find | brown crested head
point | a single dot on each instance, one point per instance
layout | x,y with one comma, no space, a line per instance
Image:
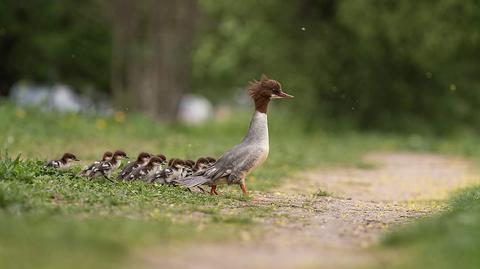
69,157
143,157
107,156
119,154
264,90
155,161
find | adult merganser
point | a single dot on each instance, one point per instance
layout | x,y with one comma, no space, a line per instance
237,163
105,169
107,156
141,160
62,163
147,171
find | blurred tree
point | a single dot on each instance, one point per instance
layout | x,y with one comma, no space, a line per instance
54,41
386,65
151,54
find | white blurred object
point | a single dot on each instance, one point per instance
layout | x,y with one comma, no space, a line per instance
58,97
194,109
64,99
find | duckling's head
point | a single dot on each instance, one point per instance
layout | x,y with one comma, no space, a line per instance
211,161
202,163
120,155
189,163
155,161
107,156
143,157
69,157
164,159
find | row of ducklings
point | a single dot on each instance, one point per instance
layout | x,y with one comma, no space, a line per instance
147,167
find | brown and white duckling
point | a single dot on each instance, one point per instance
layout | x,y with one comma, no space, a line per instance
147,171
203,163
62,163
164,159
142,160
107,156
211,160
106,168
188,168
172,172
238,162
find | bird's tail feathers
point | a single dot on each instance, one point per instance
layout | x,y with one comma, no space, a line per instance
192,181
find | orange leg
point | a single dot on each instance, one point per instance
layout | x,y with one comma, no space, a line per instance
243,186
213,190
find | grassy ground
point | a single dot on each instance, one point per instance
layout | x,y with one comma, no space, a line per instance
56,220
59,221
449,240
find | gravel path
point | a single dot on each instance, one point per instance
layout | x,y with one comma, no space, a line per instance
311,230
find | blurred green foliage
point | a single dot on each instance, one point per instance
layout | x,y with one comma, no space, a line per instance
374,64
389,65
51,41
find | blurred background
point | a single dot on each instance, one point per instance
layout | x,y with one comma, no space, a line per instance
382,65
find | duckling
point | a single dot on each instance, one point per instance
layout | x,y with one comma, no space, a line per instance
200,165
106,168
142,160
146,172
188,168
107,156
167,175
238,162
62,163
211,160
164,159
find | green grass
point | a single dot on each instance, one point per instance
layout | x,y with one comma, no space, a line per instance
56,220
51,219
449,240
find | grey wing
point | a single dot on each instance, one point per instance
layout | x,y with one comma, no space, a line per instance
232,161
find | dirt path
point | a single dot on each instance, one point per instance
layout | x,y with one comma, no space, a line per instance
311,230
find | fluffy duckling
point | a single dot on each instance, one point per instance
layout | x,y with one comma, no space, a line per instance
107,156
142,160
201,164
147,171
188,168
62,163
164,159
105,169
173,171
211,160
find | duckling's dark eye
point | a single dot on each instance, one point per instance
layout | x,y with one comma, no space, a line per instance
276,91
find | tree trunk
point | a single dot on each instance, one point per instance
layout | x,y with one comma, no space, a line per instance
151,54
